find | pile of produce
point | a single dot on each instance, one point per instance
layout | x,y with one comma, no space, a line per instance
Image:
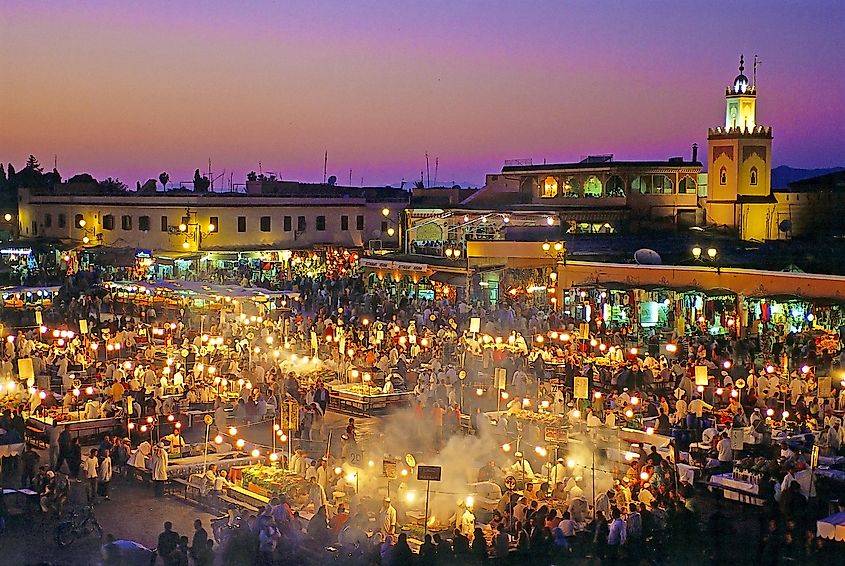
271,481
359,389
542,418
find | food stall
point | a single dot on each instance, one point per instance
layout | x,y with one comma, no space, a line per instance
267,481
364,399
40,427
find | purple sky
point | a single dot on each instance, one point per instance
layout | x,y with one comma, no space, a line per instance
133,89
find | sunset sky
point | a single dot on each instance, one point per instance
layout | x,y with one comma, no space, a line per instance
130,89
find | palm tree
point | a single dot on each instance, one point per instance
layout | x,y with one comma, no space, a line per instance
164,178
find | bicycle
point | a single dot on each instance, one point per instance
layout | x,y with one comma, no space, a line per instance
80,524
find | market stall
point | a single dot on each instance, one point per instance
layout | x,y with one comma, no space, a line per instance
268,481
41,427
365,399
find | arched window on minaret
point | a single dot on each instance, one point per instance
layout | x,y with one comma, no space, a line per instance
723,176
753,175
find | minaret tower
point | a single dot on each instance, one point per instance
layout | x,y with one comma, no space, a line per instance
739,154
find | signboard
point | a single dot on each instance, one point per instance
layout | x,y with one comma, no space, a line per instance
83,326
500,378
39,318
144,254
814,457
584,330
701,377
475,325
25,370
581,387
392,265
825,386
428,473
388,469
740,383
737,439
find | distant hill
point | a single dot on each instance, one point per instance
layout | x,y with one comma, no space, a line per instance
783,175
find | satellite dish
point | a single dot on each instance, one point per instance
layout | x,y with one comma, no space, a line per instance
646,256
785,225
332,181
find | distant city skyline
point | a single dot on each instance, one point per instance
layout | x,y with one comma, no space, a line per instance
130,91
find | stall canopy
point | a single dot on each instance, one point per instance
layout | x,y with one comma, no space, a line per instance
202,290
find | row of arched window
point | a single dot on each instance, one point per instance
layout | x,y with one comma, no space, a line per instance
614,186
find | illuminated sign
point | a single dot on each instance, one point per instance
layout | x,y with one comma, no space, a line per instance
16,251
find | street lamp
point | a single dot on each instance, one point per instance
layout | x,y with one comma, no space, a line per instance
699,254
453,253
385,212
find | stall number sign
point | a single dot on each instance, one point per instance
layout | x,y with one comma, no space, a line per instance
428,473
500,378
475,325
701,377
581,387
388,468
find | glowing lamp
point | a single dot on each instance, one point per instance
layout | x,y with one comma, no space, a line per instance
144,428
274,457
240,443
171,418
233,431
131,426
644,476
338,470
42,395
255,453
218,439
570,463
671,348
89,390
700,389
404,472
629,413
734,393
804,369
727,364
479,391
719,391
770,412
634,351
785,415
506,447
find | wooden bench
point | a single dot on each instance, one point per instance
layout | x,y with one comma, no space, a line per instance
178,483
241,504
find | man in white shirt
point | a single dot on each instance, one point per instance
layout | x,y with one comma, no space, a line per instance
725,451
91,475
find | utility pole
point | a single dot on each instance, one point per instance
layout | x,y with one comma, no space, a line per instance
325,166
427,171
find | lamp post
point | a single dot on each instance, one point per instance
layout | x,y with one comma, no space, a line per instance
706,255
556,251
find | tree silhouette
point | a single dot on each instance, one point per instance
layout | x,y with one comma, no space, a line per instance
32,163
164,178
3,179
251,176
113,185
201,183
419,185
84,178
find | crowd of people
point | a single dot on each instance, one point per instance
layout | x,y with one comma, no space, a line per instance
134,362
